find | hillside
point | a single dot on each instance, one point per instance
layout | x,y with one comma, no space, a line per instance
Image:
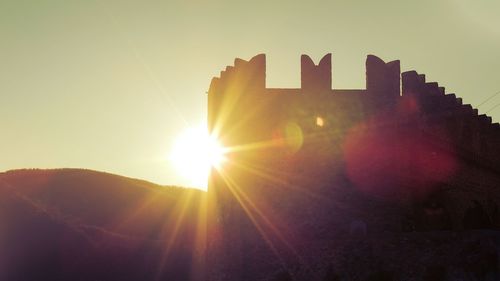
83,225
72,224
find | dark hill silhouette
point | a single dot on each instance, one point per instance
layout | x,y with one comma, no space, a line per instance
72,224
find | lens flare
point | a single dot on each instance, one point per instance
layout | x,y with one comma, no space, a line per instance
194,153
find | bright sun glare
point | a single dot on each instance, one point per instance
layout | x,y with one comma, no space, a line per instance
194,153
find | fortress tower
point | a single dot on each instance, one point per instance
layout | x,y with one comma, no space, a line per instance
307,164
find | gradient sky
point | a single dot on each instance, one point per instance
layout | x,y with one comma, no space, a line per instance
108,84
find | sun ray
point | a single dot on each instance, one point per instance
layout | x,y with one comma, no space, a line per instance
172,235
267,173
231,184
200,246
254,213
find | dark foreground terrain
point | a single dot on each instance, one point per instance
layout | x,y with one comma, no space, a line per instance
84,225
73,224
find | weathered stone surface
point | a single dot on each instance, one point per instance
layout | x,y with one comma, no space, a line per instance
412,169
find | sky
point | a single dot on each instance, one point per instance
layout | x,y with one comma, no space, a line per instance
109,84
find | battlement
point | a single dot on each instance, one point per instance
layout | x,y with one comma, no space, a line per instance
382,78
316,78
306,162
303,161
240,93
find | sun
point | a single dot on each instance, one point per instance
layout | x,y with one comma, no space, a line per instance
194,153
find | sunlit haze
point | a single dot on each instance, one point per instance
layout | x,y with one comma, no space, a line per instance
111,85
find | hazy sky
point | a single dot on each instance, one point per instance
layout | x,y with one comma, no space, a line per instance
108,84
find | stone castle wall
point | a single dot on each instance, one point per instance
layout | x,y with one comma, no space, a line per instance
240,91
306,164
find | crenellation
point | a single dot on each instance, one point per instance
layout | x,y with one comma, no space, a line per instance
239,62
382,85
302,143
243,75
257,66
468,108
411,83
421,78
449,102
382,79
432,88
246,80
214,83
225,75
484,119
316,78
